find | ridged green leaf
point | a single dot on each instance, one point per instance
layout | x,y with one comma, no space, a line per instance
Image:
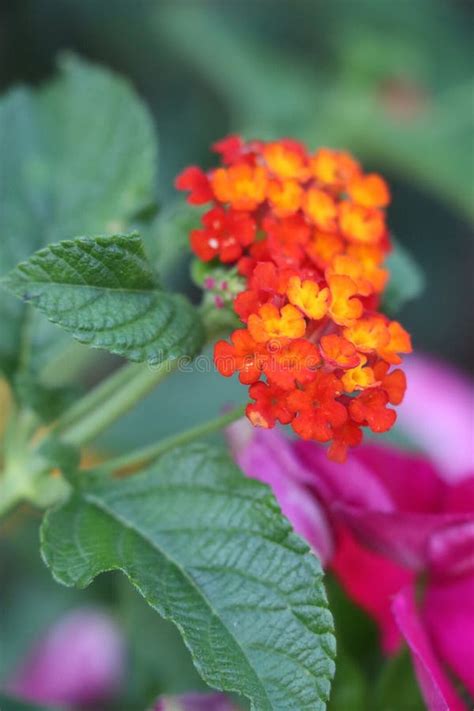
210,550
77,156
103,291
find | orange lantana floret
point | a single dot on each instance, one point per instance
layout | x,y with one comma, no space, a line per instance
361,224
287,159
322,247
244,356
344,309
369,191
394,383
399,342
273,323
285,197
291,364
339,352
334,168
346,265
304,239
370,258
321,209
308,297
368,334
242,186
359,378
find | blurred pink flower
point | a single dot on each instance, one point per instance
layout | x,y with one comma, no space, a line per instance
194,702
438,414
393,516
416,523
80,661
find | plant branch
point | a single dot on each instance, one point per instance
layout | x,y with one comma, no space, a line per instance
110,400
145,455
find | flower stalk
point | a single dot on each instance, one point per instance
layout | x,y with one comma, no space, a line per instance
109,401
145,455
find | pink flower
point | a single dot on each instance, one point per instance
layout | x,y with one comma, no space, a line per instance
194,702
80,661
438,414
398,521
416,523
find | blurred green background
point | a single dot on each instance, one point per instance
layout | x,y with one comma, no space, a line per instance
390,81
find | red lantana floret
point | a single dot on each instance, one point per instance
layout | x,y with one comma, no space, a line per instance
307,233
225,235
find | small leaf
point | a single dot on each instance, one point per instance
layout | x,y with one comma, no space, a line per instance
407,280
209,550
77,156
103,291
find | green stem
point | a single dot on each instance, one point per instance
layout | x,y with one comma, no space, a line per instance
145,455
10,496
110,400
95,397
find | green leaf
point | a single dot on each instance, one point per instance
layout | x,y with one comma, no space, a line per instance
103,291
210,550
407,280
78,156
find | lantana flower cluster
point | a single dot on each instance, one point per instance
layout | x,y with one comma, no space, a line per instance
307,233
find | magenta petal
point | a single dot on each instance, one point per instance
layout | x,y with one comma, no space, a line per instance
194,702
403,537
438,413
411,480
448,612
459,497
80,661
451,550
352,483
435,686
371,581
268,456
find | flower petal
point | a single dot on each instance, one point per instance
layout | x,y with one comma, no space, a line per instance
352,482
448,612
451,550
402,537
436,688
411,480
438,412
371,581
81,660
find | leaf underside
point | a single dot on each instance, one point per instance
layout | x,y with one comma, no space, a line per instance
210,550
